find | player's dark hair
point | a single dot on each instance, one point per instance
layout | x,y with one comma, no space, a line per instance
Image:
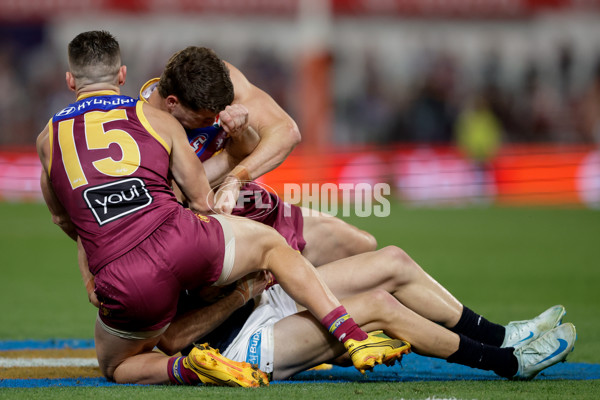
94,55
198,78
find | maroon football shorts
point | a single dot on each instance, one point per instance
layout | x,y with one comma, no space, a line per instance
139,291
268,208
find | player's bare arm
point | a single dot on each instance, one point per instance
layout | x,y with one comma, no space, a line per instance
278,132
231,175
86,275
218,166
193,325
57,211
243,140
60,216
240,147
186,168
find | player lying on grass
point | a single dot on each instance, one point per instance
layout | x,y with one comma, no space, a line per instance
196,87
393,294
108,160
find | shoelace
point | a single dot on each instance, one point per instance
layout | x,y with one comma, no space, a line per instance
516,331
519,328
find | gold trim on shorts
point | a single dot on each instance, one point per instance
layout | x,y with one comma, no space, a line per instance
140,335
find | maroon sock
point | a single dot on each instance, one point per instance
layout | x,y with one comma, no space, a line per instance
339,323
179,374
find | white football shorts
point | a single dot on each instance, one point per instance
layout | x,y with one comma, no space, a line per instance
254,343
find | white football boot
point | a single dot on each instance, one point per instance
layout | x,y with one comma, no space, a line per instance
550,348
520,333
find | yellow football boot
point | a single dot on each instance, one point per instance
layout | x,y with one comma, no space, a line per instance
375,350
214,369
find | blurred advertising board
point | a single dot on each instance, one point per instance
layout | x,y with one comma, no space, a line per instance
46,9
547,175
542,175
457,8
20,175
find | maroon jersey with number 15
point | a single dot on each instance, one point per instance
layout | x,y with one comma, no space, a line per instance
109,170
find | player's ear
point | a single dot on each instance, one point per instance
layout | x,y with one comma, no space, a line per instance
172,102
122,74
70,79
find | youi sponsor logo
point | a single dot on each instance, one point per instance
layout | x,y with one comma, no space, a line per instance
114,200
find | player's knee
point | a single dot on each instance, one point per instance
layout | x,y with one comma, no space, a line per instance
108,372
380,296
395,253
355,241
381,302
365,242
398,263
274,249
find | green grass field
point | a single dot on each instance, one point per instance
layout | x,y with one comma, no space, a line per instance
505,263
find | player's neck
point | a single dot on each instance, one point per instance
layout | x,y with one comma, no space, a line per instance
157,101
97,87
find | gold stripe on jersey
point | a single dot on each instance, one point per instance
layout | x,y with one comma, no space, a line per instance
97,93
51,141
145,87
139,109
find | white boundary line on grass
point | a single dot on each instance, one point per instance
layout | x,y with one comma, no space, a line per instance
47,362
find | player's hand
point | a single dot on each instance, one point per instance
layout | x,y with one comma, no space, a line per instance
94,299
227,195
89,287
234,120
270,279
252,285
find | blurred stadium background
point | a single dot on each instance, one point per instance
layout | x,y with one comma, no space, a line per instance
461,103
449,101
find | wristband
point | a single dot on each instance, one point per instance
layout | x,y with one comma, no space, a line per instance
245,290
241,173
240,292
89,285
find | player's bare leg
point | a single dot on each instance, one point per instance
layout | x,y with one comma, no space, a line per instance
260,247
329,238
378,309
397,273
373,310
129,361
134,361
392,270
